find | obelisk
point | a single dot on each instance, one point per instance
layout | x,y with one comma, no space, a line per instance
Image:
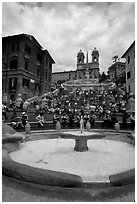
87,69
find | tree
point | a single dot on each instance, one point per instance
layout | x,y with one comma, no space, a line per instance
102,77
121,79
115,58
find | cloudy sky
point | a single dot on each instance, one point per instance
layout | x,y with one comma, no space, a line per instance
63,28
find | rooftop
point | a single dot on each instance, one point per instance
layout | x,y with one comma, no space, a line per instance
123,56
30,37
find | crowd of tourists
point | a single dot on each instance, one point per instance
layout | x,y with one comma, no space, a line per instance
69,107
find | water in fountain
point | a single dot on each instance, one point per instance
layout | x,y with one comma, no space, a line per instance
58,154
96,164
81,125
56,144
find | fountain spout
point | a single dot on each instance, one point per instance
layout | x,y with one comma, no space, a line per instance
81,125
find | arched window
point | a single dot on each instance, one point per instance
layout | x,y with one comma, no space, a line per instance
80,61
95,59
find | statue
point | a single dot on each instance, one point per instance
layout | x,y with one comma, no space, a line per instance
131,104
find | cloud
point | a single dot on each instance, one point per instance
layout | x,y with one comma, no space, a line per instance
66,27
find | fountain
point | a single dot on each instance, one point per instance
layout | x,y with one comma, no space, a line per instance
54,160
81,137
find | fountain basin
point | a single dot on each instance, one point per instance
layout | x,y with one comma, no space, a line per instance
58,155
82,138
70,177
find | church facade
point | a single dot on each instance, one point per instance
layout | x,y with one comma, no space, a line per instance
85,70
88,70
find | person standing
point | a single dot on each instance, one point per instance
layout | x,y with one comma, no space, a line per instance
113,119
92,119
124,118
132,119
86,118
100,112
4,109
24,119
40,119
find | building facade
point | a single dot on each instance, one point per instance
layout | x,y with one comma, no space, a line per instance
26,67
130,68
61,77
85,70
88,70
116,69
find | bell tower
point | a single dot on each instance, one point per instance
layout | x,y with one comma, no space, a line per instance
95,65
80,57
95,55
80,64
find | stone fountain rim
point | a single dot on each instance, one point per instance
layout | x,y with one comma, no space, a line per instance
71,135
9,170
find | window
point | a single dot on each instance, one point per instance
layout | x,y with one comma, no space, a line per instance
38,72
12,46
128,59
14,63
129,89
80,60
37,87
3,48
47,61
25,82
13,83
50,65
128,74
49,76
46,74
95,59
18,45
26,65
3,82
15,46
27,49
39,58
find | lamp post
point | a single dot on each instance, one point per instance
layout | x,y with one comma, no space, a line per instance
5,88
5,97
18,101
